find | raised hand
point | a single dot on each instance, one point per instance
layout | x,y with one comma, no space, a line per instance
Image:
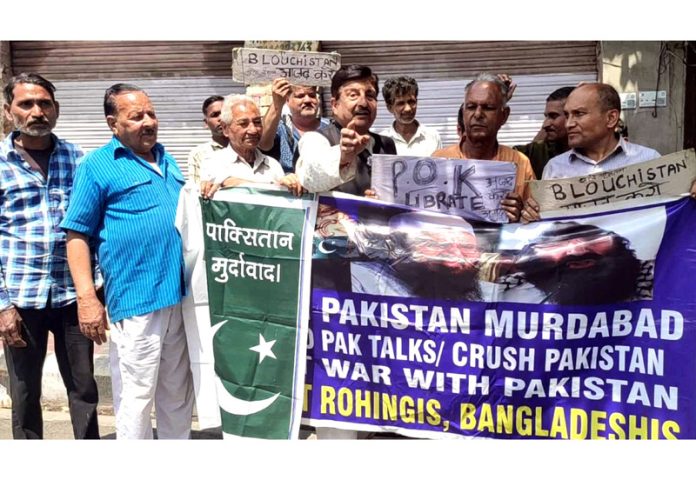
352,143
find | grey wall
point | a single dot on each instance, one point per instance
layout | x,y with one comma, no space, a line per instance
5,69
633,67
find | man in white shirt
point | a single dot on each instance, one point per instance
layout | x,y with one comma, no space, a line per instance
241,161
410,137
212,107
592,113
339,157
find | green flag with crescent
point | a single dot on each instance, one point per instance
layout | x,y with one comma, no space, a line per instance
254,244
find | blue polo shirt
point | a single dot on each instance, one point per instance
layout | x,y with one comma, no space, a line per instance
127,209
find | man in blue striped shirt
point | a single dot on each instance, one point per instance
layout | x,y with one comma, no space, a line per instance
37,294
125,200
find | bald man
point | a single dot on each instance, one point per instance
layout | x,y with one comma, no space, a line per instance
592,113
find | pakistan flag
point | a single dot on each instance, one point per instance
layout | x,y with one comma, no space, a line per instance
255,245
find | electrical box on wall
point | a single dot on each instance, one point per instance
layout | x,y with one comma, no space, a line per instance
628,100
650,98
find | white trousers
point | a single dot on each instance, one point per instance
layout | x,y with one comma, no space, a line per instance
150,364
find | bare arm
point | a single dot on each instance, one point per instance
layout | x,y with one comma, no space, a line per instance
90,311
281,90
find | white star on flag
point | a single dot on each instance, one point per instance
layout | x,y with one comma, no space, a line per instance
264,348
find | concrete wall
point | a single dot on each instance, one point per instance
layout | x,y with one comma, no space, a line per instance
5,74
633,67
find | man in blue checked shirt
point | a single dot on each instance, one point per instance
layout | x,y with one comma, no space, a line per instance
37,294
124,201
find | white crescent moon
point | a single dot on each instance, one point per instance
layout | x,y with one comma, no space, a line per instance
232,404
321,248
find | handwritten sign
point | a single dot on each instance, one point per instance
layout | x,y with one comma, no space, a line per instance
670,175
449,186
256,65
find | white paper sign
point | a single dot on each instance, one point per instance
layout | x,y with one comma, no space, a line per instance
458,187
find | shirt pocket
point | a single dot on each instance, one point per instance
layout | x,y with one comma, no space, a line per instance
132,193
21,198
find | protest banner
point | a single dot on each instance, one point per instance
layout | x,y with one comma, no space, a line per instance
257,65
458,187
257,250
436,327
667,176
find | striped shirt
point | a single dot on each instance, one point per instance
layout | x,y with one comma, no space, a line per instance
574,164
33,258
128,208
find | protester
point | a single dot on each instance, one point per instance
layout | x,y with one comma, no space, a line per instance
552,140
411,138
282,132
37,294
339,156
592,116
241,161
593,111
124,204
212,107
484,112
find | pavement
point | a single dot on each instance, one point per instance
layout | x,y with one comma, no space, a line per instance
55,401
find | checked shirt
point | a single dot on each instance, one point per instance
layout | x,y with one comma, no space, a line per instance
33,258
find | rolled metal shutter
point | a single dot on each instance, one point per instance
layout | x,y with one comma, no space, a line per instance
178,76
443,69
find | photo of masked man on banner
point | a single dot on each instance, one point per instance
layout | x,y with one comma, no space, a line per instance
397,251
574,262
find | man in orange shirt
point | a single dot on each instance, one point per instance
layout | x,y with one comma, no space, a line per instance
484,112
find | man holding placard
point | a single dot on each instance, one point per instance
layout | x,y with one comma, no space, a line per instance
282,132
592,114
485,111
